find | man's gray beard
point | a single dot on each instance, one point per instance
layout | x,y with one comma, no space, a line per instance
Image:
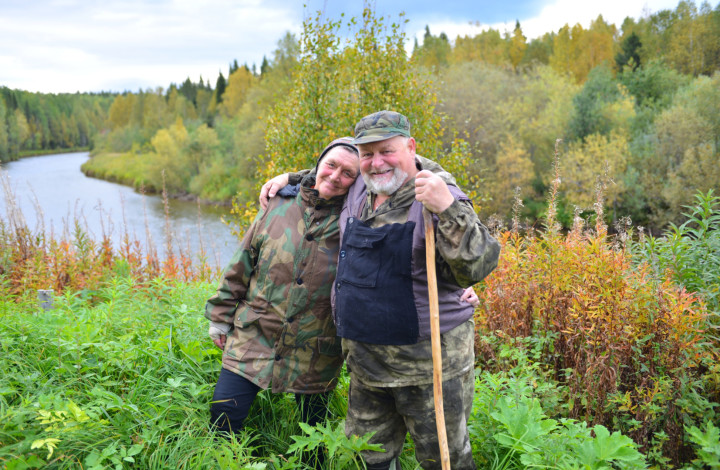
388,188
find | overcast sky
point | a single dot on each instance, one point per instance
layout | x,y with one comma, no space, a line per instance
57,46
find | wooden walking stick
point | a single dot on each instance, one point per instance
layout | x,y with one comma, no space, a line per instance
435,339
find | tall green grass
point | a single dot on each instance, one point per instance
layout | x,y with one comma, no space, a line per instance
122,377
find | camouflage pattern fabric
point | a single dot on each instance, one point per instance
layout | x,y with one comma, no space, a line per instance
381,126
393,412
411,364
276,294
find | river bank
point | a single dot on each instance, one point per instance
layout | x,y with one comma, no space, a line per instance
39,153
53,194
136,171
96,168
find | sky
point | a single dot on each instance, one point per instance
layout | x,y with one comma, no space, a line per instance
66,46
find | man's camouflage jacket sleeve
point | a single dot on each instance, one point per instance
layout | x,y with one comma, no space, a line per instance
465,245
233,287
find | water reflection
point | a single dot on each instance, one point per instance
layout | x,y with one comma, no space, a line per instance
51,191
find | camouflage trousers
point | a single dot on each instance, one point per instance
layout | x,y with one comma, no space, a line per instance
392,412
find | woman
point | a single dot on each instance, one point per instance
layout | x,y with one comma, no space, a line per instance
271,314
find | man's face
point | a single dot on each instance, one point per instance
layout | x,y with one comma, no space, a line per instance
386,165
336,172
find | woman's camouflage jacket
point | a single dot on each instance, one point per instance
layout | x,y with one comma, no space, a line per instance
276,294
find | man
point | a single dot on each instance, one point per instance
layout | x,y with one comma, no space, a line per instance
272,313
381,297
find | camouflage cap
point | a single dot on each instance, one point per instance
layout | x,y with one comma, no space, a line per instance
379,126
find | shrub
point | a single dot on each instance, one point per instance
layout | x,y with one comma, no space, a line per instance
690,253
626,343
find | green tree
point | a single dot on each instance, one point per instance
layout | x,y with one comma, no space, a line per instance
203,100
434,52
537,114
654,84
539,50
472,96
23,134
601,106
201,148
220,86
630,53
685,150
4,148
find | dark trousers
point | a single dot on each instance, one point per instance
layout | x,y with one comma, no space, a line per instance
235,394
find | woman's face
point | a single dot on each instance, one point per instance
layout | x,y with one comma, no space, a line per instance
336,172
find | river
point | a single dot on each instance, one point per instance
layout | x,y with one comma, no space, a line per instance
52,192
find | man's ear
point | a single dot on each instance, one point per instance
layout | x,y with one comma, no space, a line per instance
411,145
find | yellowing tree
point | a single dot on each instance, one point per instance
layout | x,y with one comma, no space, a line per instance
169,157
596,46
578,50
686,141
154,110
539,113
698,171
23,128
518,46
693,45
488,47
120,111
179,106
563,51
434,52
236,91
603,157
512,169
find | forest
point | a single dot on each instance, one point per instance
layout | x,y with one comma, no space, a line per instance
590,153
637,104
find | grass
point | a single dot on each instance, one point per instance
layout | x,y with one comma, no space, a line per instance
122,377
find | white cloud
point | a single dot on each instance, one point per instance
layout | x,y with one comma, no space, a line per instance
555,15
69,46
78,45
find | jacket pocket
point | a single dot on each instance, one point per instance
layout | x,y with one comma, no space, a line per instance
360,258
247,315
329,345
